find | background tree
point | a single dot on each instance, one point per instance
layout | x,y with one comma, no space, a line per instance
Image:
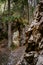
20,10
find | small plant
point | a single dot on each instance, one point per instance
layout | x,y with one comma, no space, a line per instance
13,46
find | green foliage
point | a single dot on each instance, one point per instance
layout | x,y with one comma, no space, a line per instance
25,2
37,1
2,1
13,46
16,11
7,18
15,0
11,17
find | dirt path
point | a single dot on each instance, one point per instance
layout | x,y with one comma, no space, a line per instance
16,56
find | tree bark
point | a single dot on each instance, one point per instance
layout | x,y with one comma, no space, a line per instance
28,12
9,34
9,27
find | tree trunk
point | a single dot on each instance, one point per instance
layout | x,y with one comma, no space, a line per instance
9,26
9,34
28,12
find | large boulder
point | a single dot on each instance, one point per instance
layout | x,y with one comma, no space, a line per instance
16,38
33,53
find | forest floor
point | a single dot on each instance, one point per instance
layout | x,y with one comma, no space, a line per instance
12,57
16,56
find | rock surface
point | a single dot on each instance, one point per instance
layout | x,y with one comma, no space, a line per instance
16,38
34,50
